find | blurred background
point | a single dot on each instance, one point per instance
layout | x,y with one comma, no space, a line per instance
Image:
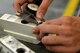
55,10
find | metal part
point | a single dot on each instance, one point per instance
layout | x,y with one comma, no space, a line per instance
13,26
28,17
9,44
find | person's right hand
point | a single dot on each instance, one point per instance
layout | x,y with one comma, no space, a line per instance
67,30
41,10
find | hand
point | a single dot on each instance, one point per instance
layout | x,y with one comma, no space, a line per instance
68,34
41,10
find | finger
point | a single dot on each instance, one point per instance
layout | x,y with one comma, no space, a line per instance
17,5
36,30
61,49
43,8
38,34
51,40
38,38
67,20
53,21
17,8
41,35
54,29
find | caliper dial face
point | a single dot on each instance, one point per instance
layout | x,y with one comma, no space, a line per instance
33,7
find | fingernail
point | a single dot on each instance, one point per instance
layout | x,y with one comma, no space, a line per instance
40,15
33,30
17,13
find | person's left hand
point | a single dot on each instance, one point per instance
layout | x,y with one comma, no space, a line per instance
41,10
68,34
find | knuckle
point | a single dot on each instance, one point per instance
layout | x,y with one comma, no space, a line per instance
70,42
67,19
42,28
69,30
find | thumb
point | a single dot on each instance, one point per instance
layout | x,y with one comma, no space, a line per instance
43,8
18,3
17,7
